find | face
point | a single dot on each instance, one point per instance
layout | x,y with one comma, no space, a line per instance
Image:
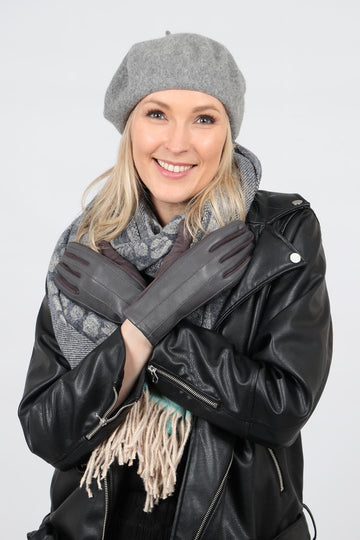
177,141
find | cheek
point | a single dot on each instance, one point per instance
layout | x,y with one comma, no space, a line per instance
210,151
144,143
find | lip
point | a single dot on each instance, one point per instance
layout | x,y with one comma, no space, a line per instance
176,163
171,174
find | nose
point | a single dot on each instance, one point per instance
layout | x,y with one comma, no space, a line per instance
178,138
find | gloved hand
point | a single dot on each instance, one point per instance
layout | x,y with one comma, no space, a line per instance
107,283
202,272
104,284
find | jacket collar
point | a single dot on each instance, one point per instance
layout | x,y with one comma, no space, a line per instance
273,255
269,206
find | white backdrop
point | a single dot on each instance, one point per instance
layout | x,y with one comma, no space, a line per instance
301,62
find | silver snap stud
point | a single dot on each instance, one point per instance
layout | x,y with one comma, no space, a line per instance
297,202
295,258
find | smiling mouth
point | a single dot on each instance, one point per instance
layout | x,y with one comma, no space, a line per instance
173,168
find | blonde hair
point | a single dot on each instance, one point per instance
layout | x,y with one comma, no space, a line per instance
117,200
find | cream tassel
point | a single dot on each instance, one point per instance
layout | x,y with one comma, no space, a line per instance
145,435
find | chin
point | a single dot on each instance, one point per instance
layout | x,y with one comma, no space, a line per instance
164,197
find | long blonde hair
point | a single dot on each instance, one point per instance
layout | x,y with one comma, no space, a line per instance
116,202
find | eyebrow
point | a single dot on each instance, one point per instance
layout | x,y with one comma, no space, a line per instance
200,108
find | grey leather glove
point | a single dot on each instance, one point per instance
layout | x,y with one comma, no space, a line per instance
104,284
202,272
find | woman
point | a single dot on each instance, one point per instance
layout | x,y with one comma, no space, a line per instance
179,350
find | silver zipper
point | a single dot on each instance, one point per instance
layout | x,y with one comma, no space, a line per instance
154,371
214,501
278,470
106,496
103,421
154,377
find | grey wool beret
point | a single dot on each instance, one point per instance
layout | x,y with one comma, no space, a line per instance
176,61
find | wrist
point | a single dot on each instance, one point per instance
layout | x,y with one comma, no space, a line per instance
134,338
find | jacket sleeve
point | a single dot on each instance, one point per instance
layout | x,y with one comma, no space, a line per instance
65,412
268,392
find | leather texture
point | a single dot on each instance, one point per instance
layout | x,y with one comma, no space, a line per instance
98,282
212,265
251,383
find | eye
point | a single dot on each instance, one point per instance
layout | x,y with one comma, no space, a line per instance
205,119
154,113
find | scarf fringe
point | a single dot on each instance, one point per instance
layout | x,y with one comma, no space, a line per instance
155,434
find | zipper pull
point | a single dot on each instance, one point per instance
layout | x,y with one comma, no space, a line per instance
154,376
102,421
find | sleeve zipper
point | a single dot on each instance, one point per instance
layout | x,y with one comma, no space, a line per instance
105,420
154,371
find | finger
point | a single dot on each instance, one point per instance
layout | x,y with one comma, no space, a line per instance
236,234
241,266
67,272
109,252
240,261
65,286
79,253
238,248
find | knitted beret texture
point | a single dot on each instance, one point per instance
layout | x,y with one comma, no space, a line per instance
176,61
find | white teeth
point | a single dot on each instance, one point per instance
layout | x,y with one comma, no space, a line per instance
173,168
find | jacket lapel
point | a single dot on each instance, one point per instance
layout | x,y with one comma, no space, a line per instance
273,256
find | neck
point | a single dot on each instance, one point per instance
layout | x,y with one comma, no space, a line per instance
166,211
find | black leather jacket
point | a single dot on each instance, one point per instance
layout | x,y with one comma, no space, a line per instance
251,383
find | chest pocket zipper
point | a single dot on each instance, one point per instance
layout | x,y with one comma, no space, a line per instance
277,469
